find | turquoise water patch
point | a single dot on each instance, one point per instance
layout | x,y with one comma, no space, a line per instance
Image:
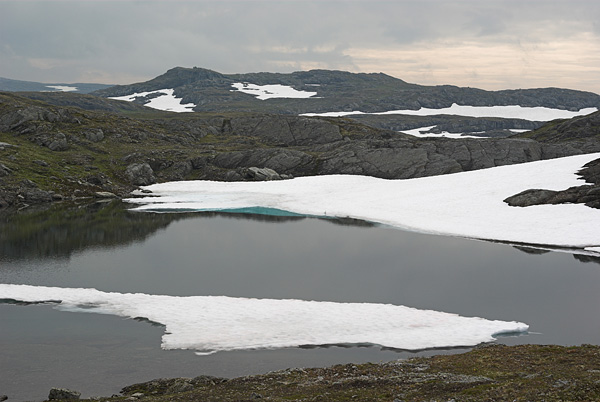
261,211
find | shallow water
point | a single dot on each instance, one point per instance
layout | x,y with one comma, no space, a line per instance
108,248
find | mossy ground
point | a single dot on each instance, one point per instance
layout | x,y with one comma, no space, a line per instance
489,373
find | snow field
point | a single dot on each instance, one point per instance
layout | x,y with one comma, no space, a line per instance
467,204
167,101
422,132
507,112
263,92
62,88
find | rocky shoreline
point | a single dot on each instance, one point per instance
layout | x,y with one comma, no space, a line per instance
490,372
50,153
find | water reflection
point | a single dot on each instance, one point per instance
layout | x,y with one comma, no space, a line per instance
107,247
61,229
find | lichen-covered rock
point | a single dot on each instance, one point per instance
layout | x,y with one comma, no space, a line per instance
261,174
63,394
140,174
4,170
94,135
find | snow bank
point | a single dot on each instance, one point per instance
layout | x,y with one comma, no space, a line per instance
62,88
215,323
467,204
507,112
263,92
166,101
422,132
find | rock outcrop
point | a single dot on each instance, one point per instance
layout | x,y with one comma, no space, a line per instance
63,394
140,174
585,194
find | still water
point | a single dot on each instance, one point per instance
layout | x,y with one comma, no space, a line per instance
103,246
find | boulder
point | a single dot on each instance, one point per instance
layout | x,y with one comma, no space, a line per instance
58,143
140,174
104,194
63,394
4,170
94,135
261,174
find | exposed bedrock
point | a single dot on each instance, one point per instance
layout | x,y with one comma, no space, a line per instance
588,194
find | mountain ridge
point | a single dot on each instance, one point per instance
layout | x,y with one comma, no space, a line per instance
339,91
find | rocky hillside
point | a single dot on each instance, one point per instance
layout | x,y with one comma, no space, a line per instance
9,85
339,91
55,152
578,128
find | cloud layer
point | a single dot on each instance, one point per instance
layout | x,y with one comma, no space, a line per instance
494,44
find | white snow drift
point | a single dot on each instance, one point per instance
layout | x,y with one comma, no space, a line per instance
422,132
467,204
166,101
507,112
62,88
215,323
263,92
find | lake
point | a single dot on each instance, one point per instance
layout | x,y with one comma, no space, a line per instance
106,247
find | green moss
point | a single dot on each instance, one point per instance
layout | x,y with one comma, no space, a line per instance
500,373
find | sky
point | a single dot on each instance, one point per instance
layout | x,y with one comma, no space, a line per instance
491,44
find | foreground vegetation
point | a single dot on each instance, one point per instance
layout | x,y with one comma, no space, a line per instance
488,373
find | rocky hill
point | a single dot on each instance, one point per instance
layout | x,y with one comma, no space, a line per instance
52,152
338,91
578,128
9,85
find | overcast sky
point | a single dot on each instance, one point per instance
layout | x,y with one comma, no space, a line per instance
490,44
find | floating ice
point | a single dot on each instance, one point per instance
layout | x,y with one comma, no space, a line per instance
263,92
467,204
166,101
216,323
62,88
506,112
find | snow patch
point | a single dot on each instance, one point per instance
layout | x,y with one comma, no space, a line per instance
166,101
263,92
467,204
422,132
62,88
506,112
218,323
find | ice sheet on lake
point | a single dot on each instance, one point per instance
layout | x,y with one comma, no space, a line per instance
506,112
165,101
263,92
216,323
467,204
